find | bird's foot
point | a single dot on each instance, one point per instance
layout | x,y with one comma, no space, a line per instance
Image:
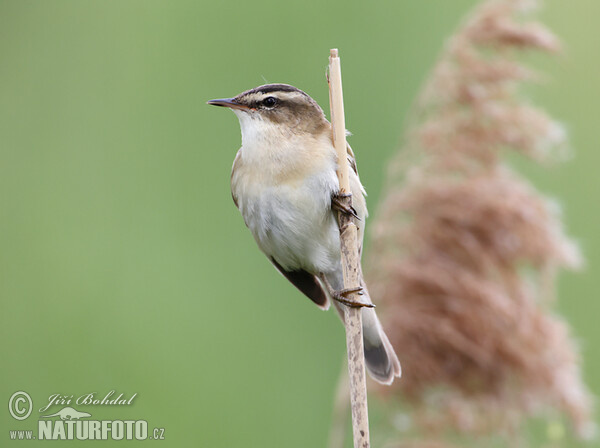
338,203
342,297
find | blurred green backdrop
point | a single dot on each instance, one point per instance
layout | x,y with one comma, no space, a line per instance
123,262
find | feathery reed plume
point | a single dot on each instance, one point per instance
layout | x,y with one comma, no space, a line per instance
464,251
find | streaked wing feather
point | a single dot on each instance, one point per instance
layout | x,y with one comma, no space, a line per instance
237,156
351,159
307,283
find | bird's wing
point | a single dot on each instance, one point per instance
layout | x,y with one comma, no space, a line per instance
358,197
307,283
351,159
235,161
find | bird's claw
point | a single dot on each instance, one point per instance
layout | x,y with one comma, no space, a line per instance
342,297
338,204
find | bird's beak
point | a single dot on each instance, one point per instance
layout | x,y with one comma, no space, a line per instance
228,102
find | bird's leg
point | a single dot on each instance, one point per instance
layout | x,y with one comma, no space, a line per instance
343,203
342,295
339,202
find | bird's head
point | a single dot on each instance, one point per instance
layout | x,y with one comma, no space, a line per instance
276,109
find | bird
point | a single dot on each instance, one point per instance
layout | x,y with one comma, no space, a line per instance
284,183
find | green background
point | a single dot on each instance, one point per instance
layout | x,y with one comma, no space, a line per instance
123,262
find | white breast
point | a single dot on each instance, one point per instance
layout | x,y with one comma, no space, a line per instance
295,225
284,195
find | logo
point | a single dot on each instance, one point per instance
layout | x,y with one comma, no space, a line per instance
69,423
15,405
68,414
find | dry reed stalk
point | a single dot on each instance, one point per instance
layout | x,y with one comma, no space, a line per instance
465,251
350,264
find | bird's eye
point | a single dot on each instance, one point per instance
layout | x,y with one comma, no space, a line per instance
270,101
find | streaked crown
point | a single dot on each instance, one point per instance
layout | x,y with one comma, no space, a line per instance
280,104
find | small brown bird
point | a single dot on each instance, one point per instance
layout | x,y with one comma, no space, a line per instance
285,185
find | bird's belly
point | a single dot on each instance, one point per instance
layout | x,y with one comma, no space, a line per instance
295,226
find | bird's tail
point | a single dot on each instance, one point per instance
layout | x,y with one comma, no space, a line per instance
380,357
